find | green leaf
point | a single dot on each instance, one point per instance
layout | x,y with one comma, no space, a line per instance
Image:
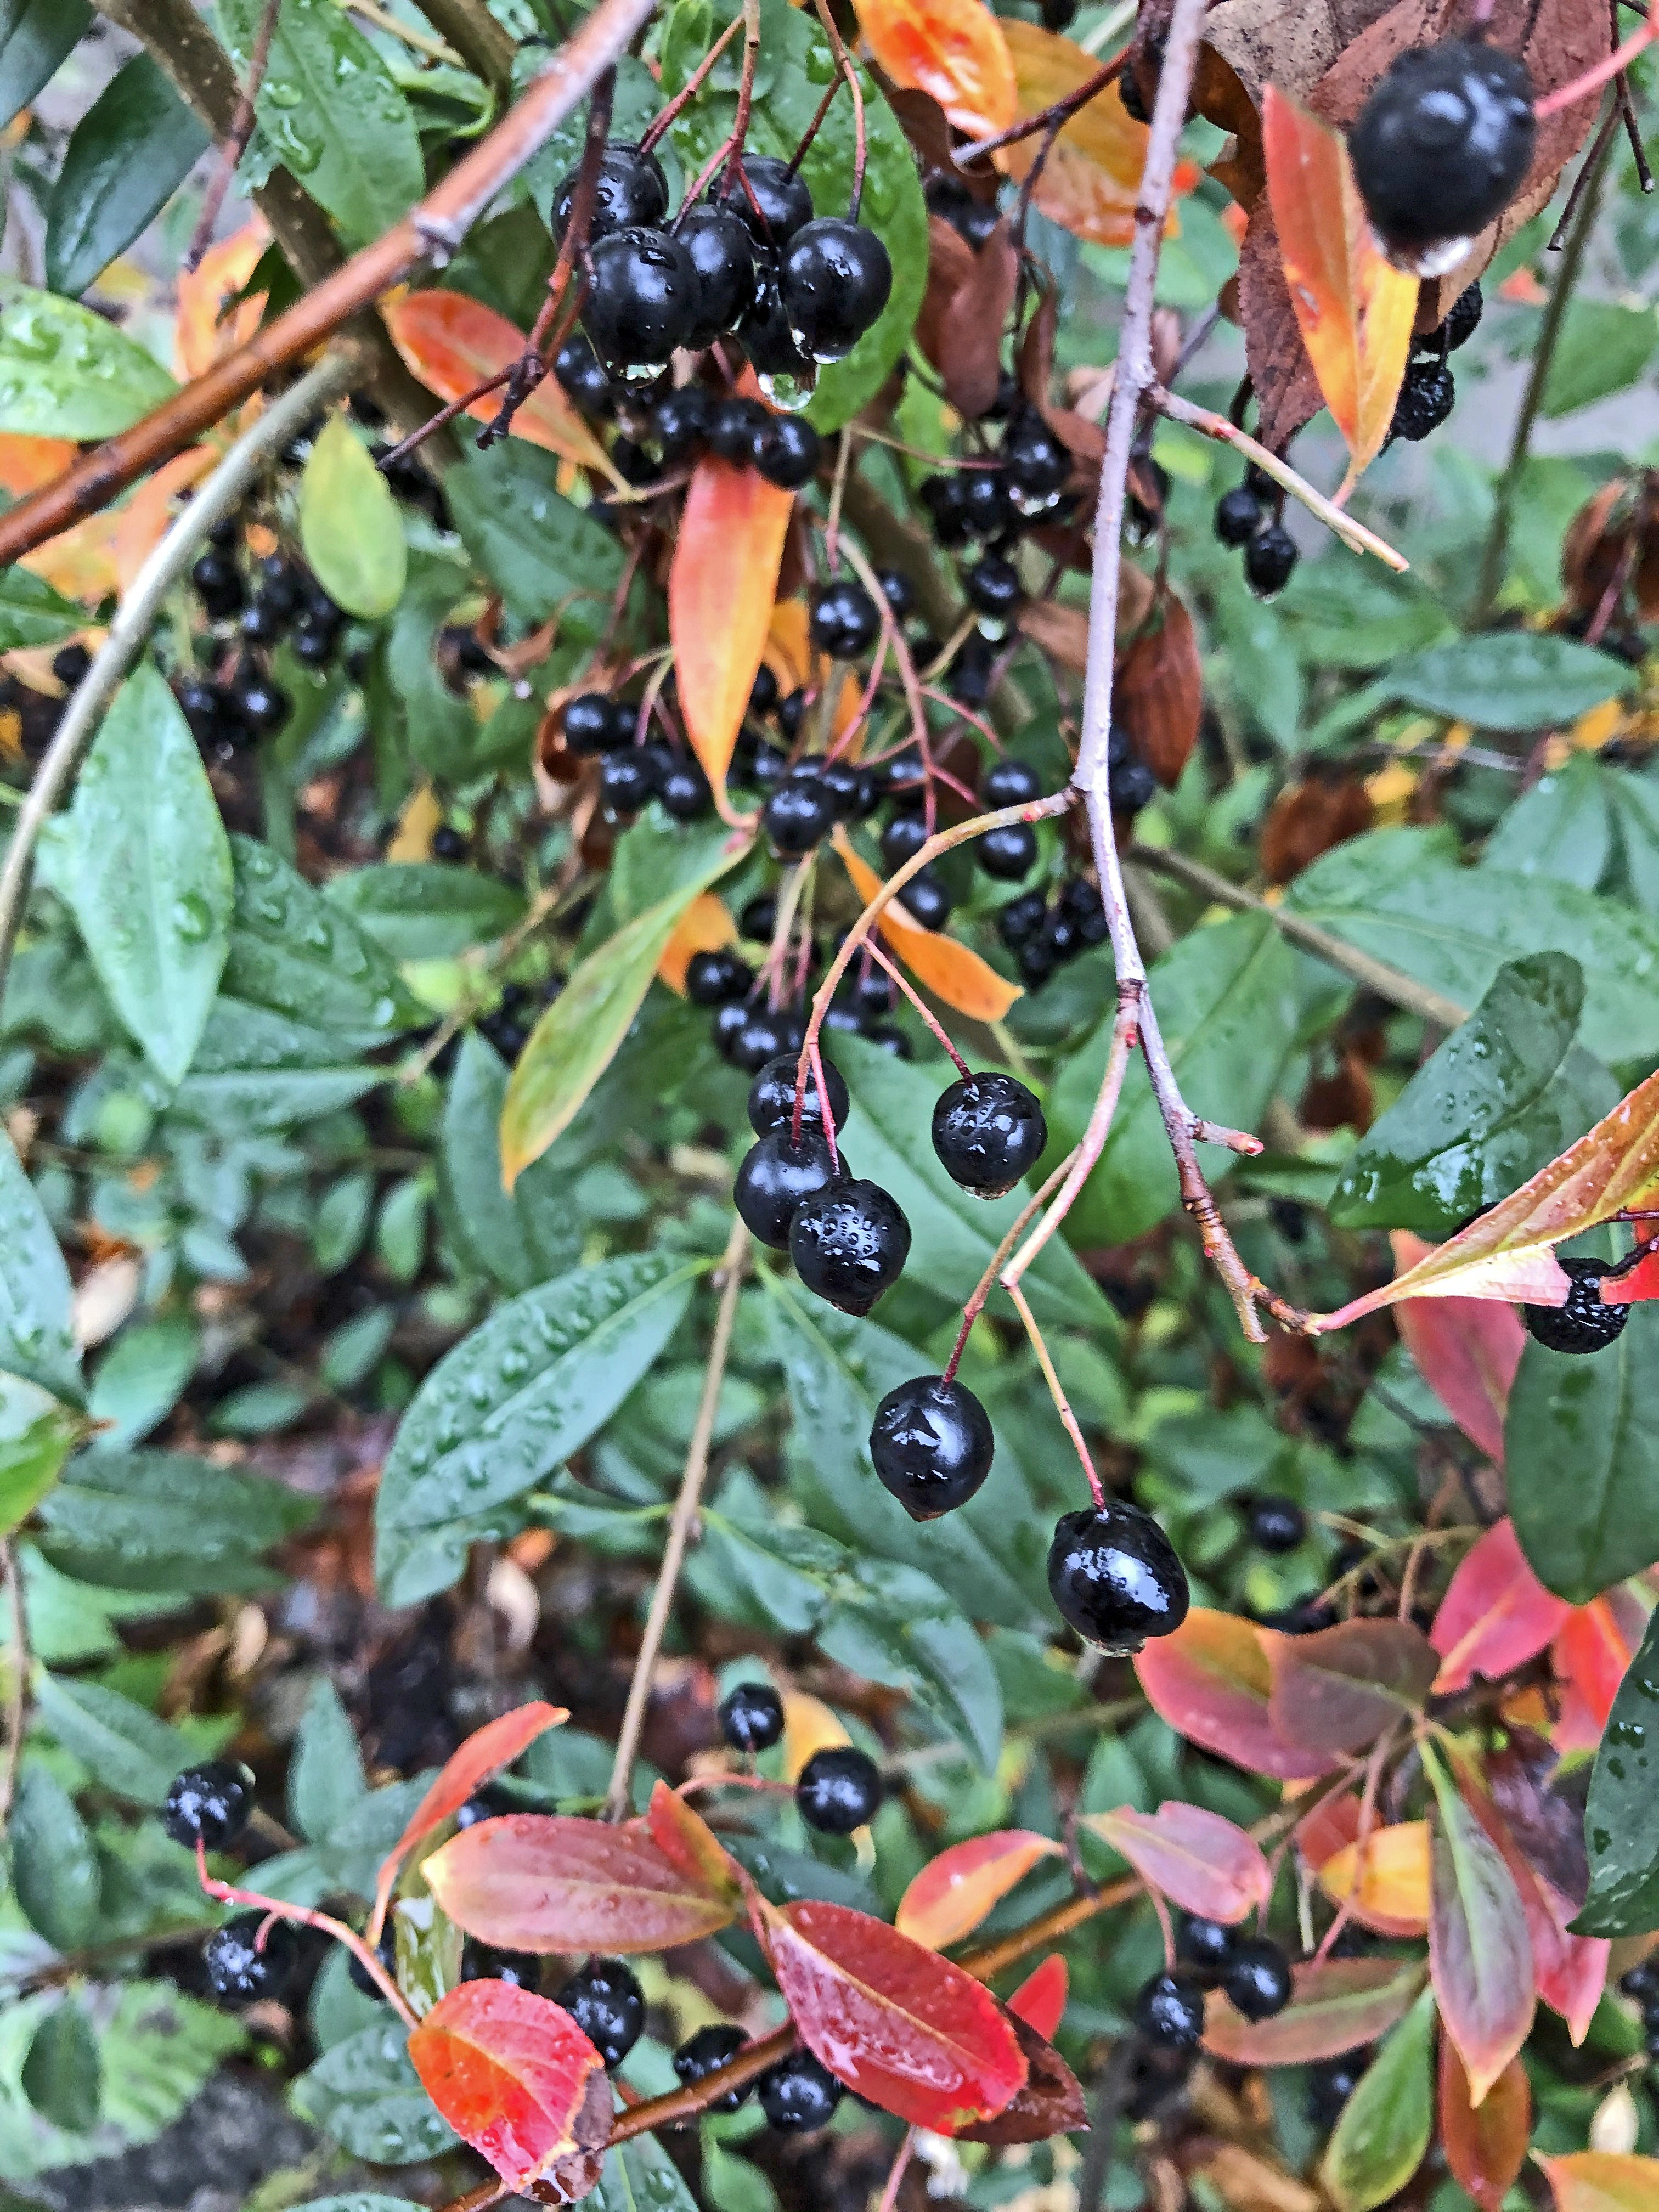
527,1388
257,1070
349,526
1509,679
540,551
576,1039
518,1239
146,870
325,1779
1226,1003
427,910
1401,896
638,2176
1502,1095
329,108
141,1377
1602,348
367,2095
1582,1460
295,953
36,1340
1379,2142
35,36
54,1861
66,373
1619,1829
1561,827
126,157
62,2077
131,1753
164,1520
37,1435
33,613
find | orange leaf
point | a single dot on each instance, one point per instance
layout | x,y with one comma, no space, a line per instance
485,1752
951,970
509,2072
548,1881
1496,1614
722,587
453,343
953,1893
1353,308
703,927
957,51
1091,179
1201,1861
1590,1655
143,523
1386,1877
1486,2145
1040,1999
1212,1681
204,330
1508,1252
1603,2181
26,463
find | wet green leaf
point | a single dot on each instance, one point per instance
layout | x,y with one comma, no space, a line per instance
427,910
367,2095
325,1778
1602,348
540,551
1379,2142
55,1869
36,1340
132,1753
519,1239
126,157
641,2177
1619,1829
1561,827
62,2077
298,953
66,373
33,613
1509,679
35,36
37,1435
349,526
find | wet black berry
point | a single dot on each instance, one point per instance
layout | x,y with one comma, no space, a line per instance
1114,1575
798,815
736,428
845,622
942,497
839,1790
798,2093
584,377
772,200
1008,854
931,1445
856,791
712,978
386,1951
774,1177
210,1804
1440,148
590,725
1020,920
759,919
219,587
1010,783
762,1037
69,663
643,300
239,1969
928,899
1257,1977
792,711
606,2002
705,2053
993,589
786,452
850,1243
987,507
767,337
723,254
1268,560
629,189
1585,1322
898,591
1277,1524
835,278
1131,785
483,1962
1463,318
902,838
263,705
1036,465
1426,398
1169,2011
1239,514
627,780
679,422
751,1717
772,1096
684,790
987,1130
1205,1947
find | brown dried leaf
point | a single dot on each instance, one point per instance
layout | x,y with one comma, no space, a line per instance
1160,686
971,329
1309,818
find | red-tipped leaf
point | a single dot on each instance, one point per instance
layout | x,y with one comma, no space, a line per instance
1496,1614
509,2071
682,1835
1339,1690
544,1882
1467,1350
1040,1999
1202,1861
1479,1948
954,1892
1212,1681
722,587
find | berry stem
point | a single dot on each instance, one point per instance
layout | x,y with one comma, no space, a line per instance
1017,1228
689,91
890,2195
1621,58
844,63
228,1894
917,1001
1058,110
445,416
751,41
1062,1403
1081,1164
812,128
235,145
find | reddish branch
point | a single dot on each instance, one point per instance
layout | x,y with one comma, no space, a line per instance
434,228
241,130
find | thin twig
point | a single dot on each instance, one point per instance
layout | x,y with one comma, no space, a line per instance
17,1690
844,63
1081,1164
660,123
1068,1420
1103,2125
216,497
1016,1230
1058,112
236,146
486,47
685,1520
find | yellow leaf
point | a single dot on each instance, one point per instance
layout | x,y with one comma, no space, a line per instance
1386,1877
957,50
808,1726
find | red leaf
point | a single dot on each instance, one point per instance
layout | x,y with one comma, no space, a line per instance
1334,2007
1210,1681
1040,1999
1048,2102
953,50
1496,1614
890,2018
509,2071
453,343
1603,2181
1591,1652
1479,1949
1486,2145
1467,1350
1569,1971
485,1752
722,587
684,1837
1202,1863
1339,1690
953,1893
542,1882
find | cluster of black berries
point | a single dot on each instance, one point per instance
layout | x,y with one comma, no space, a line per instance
1642,1983
1249,516
251,1956
837,1790
632,771
1440,148
1043,933
228,712
797,2094
794,288
658,434
515,1014
1169,2011
1428,391
1586,1322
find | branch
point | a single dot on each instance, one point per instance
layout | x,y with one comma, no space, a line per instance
436,227
733,1267
216,497
486,46
17,1691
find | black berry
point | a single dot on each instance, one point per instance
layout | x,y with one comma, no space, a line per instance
723,255
1239,514
775,1178
993,589
1586,1322
898,591
763,1036
850,1244
763,691
1036,465
987,1130
1442,147
839,1790
627,780
705,2053
590,723
735,429
262,704
1020,920
751,1718
210,1804
1169,2011
69,663
448,843
772,200
767,337
1330,2085
1257,1977
845,622
1205,1946
835,278
1011,783
1426,398
798,2093
219,587
679,422
1008,854
683,789
1277,1524
584,377
1114,1575
643,300
629,189
1269,558
856,791
386,1951
772,1096
942,496
931,1445
798,815
713,978
606,2002
928,900
240,1970
987,507
786,452
483,1962
1463,319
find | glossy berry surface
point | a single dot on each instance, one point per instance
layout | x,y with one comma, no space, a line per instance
850,1243
483,1962
1036,465
736,428
767,337
931,1445
1205,1947
839,1790
713,978
1463,319
776,1176
845,622
772,1096
798,815
987,1130
798,2093
898,591
1114,1575
627,780
643,301
1276,1524
1009,854
992,588
1269,559
629,189
1586,1322
239,1969
584,377
1426,399
1257,1978
1019,921
787,451
751,1717
679,422
705,2053
1239,514
210,1804
771,200
835,278
1169,2011
928,899
723,254
1010,783
605,2001
1442,146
